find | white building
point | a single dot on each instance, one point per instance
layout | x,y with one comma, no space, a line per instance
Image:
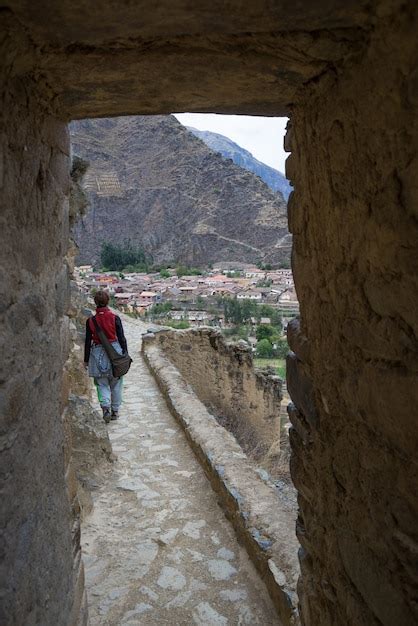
250,295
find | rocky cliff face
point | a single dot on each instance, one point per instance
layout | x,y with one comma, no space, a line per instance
231,150
153,182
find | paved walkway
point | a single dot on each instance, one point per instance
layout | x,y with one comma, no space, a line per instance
157,547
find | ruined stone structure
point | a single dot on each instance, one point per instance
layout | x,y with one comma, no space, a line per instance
222,375
346,74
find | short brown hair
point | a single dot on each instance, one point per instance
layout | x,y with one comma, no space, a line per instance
101,298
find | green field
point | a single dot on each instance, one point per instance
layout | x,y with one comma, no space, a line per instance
279,364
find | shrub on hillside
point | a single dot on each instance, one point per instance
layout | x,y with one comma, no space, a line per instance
264,349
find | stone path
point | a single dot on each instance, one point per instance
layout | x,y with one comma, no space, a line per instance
157,547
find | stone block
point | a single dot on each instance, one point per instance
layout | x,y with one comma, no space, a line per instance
292,212
373,581
298,342
59,169
72,485
301,389
409,181
62,291
56,135
290,166
288,141
299,423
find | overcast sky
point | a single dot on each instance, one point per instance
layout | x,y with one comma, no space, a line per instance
262,136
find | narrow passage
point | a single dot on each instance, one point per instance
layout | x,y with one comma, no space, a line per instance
158,549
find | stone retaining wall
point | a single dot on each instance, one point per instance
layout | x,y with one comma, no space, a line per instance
245,401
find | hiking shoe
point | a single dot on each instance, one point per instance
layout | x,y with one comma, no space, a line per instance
115,415
106,414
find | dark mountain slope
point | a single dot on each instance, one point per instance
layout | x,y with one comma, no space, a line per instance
152,182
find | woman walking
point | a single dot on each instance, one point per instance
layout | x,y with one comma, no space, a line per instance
109,388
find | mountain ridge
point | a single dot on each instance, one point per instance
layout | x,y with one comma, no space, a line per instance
243,158
154,183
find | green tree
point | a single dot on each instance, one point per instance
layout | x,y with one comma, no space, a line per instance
164,273
265,310
116,257
161,308
242,332
264,331
266,282
264,266
233,311
248,309
264,349
182,270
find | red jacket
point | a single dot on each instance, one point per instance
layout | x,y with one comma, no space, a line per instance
106,320
112,326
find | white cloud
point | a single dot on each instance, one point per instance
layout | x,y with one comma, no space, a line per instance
262,136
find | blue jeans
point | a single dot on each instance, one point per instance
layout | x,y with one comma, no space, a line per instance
109,391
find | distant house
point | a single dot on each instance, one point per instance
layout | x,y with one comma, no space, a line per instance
142,276
138,286
85,269
142,308
265,291
199,318
124,298
149,297
288,301
255,273
172,293
188,293
284,273
281,277
225,290
250,294
218,279
177,315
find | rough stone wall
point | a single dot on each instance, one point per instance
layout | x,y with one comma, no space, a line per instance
353,373
246,402
41,572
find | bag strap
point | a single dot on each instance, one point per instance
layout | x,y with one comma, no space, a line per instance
111,352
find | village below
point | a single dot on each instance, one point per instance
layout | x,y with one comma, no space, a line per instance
247,303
